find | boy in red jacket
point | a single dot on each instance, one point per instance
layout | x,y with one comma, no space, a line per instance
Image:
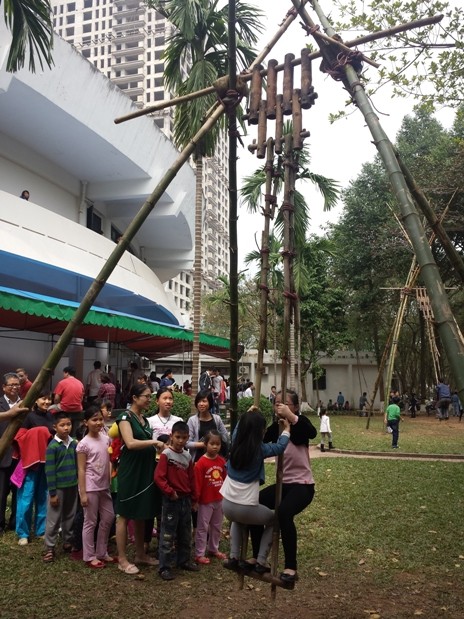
174,476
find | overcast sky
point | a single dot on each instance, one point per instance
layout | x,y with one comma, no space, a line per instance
338,150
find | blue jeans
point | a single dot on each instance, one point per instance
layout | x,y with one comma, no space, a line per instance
176,533
33,493
394,424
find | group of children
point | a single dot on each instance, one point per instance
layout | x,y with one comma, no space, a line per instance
71,478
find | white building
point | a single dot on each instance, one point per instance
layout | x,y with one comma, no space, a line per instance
87,178
125,40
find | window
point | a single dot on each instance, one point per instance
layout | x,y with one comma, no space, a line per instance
159,68
69,32
71,6
86,53
321,382
148,84
87,16
87,4
159,82
94,221
87,28
159,41
159,96
70,19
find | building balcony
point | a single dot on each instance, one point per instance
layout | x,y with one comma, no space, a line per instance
127,79
120,53
129,12
129,26
127,3
129,37
129,64
133,91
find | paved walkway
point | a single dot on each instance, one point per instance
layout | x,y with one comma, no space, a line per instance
315,452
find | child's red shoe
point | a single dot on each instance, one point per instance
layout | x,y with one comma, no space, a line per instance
202,560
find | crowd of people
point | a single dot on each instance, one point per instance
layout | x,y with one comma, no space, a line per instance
75,475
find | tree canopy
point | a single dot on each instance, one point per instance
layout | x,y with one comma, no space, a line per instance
425,63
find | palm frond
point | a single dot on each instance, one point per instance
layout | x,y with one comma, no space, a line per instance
30,22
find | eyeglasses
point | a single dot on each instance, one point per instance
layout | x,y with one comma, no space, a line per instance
147,395
13,385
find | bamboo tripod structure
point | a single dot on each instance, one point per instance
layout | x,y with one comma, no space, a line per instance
389,352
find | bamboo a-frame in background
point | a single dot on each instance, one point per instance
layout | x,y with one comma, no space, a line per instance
344,64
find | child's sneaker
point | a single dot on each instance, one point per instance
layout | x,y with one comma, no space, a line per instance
202,560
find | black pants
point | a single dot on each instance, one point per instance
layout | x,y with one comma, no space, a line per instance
176,533
5,488
295,497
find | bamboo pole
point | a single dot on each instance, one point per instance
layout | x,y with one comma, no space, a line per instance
65,339
434,222
269,200
413,274
287,208
446,324
233,248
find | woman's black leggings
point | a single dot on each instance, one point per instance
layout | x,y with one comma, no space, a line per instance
295,497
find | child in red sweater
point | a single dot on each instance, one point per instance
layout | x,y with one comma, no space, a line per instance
210,472
174,476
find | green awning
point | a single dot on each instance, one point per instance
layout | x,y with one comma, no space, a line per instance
24,311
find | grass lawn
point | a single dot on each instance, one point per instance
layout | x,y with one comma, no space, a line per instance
420,435
383,539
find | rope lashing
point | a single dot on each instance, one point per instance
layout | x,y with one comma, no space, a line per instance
271,198
336,68
288,206
291,295
263,287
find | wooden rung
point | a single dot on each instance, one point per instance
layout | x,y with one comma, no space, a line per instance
267,577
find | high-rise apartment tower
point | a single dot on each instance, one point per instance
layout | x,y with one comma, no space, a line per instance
125,40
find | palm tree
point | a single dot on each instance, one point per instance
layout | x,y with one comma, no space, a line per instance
30,22
200,42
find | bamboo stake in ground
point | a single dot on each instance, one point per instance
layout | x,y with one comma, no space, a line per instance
288,216
89,299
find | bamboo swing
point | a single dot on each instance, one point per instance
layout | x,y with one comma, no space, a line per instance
274,107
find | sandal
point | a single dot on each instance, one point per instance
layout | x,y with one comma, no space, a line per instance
129,569
97,565
49,556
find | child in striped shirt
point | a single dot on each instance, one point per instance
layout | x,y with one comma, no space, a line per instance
61,473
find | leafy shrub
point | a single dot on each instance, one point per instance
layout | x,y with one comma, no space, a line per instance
181,407
264,406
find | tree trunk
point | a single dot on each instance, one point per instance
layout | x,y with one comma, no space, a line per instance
197,277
